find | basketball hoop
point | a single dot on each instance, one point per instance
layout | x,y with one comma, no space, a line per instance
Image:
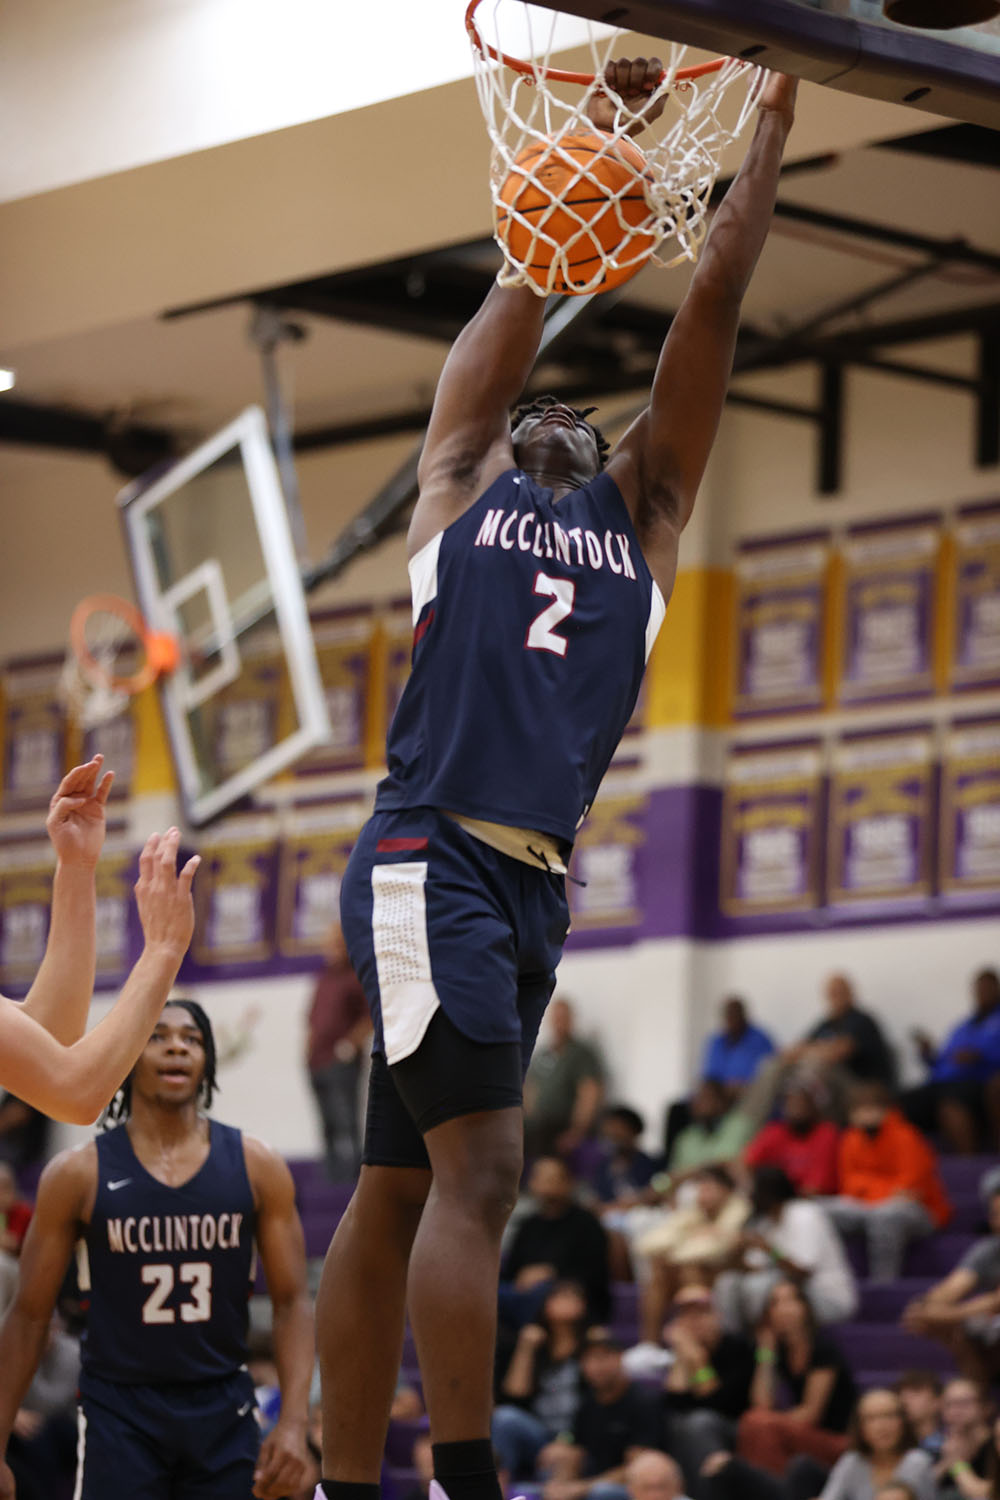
565,215
112,656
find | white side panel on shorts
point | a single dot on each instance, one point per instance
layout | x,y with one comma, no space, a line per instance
402,957
423,571
81,1451
657,609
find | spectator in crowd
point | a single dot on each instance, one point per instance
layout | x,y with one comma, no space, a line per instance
847,1047
561,1240
15,1216
961,1097
733,1054
920,1393
540,1391
24,1133
808,1365
717,1133
888,1184
788,1238
698,1238
624,1169
564,1089
615,1421
964,1462
42,1447
707,1388
422,1460
963,1310
989,1489
654,1476
340,1029
802,1142
881,1460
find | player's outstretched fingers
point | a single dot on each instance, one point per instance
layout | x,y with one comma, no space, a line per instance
147,858
187,875
104,787
79,781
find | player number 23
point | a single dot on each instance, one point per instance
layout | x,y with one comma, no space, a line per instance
197,1274
542,635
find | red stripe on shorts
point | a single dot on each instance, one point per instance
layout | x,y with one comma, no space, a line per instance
400,846
423,628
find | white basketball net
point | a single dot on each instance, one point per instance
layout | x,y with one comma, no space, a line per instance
87,691
682,149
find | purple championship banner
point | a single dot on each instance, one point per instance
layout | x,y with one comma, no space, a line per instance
397,636
889,582
770,858
344,643
235,900
780,624
975,660
607,861
881,818
119,933
26,871
34,733
115,739
969,865
243,719
315,848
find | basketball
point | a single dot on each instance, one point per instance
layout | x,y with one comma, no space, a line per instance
585,196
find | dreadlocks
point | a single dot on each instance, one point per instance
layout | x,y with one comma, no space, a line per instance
121,1105
542,403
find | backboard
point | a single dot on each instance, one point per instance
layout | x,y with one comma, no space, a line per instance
214,564
847,44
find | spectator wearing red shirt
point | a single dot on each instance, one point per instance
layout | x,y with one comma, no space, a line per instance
802,1143
339,1030
15,1216
889,1188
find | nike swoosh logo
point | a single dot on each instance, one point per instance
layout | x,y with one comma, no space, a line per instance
122,1182
242,1411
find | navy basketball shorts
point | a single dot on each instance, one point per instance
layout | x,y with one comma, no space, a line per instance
196,1441
456,945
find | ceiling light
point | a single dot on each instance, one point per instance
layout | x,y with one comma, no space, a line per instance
7,379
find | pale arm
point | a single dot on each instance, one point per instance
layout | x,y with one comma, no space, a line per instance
519,1381
75,1083
282,1465
60,996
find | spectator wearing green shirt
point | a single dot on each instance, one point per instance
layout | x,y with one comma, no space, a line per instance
564,1089
717,1133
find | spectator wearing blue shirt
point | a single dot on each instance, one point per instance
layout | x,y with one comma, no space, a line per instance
732,1057
961,1097
734,1054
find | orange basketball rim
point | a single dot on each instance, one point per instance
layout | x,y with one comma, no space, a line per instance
105,628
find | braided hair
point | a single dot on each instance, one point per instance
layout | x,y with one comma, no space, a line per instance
542,403
121,1105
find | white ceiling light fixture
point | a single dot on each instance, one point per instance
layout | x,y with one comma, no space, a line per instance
7,379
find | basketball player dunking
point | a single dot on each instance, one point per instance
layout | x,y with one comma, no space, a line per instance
540,577
169,1205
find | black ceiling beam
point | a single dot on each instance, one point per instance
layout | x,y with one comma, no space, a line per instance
884,234
131,446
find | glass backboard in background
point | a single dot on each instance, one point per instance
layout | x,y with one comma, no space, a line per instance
214,565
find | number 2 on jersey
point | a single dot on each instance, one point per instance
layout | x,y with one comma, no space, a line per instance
541,633
197,1274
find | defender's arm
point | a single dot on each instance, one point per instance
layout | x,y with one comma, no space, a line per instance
660,461
468,438
66,1186
282,1465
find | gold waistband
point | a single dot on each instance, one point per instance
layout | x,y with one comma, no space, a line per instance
540,850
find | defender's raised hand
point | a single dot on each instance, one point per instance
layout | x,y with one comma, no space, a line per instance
75,822
634,80
166,909
779,94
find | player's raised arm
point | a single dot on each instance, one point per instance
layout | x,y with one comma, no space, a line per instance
63,1190
61,993
468,437
660,461
75,1083
283,1461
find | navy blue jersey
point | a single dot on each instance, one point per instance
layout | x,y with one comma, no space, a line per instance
170,1267
533,622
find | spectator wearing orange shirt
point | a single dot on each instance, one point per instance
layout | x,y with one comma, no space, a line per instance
802,1143
889,1187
